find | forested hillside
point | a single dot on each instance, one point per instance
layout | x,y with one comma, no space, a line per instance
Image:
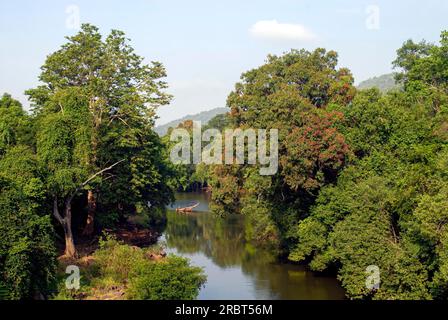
384,83
204,117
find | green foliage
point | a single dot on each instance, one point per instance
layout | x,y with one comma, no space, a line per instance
260,226
94,117
4,294
15,124
116,260
58,153
220,122
27,252
362,179
276,93
354,226
388,208
97,107
191,177
298,94
423,70
171,278
143,178
226,182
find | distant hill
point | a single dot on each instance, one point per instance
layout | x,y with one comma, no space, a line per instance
385,83
204,117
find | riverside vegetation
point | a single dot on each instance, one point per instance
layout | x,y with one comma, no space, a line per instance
362,179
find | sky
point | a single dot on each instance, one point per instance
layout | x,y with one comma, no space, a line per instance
205,45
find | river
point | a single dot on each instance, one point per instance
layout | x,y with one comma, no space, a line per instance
235,269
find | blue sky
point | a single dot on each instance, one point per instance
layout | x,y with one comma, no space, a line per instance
206,45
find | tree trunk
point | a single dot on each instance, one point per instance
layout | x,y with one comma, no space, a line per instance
91,197
66,223
91,209
70,250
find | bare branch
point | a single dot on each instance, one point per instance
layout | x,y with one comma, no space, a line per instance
100,172
91,178
112,118
62,108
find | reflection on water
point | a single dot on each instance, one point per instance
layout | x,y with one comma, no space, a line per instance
234,268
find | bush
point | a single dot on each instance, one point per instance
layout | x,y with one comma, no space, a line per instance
116,260
145,279
173,279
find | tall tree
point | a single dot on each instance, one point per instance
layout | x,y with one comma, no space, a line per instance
116,87
296,94
63,155
423,68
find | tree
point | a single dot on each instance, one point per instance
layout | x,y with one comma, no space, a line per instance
423,70
276,93
115,86
315,152
15,126
27,252
362,179
354,226
298,94
220,122
64,157
387,207
142,183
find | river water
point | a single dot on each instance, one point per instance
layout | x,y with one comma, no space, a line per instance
235,269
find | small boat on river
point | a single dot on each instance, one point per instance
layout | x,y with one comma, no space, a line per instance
187,209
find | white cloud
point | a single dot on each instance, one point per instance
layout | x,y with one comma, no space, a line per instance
271,29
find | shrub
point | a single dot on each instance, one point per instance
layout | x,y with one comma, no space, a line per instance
116,260
173,279
170,278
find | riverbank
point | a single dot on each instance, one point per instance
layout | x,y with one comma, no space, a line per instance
129,236
122,264
118,271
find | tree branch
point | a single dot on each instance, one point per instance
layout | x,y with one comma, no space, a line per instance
91,178
56,211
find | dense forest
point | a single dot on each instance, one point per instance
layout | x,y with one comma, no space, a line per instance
363,174
362,179
84,160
